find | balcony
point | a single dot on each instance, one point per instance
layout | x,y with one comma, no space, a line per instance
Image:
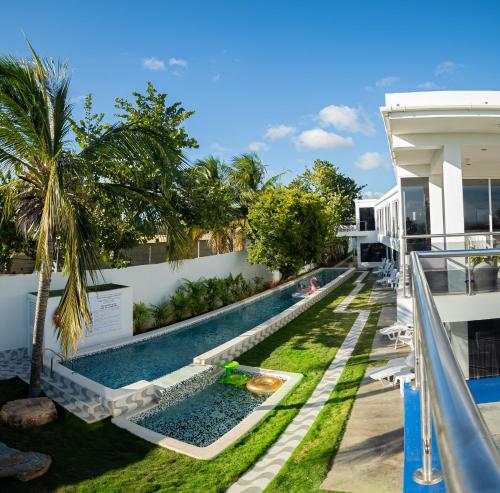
355,229
447,421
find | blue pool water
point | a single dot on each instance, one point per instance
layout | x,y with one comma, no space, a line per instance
205,416
155,357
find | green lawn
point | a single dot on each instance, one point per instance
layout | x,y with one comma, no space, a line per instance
104,458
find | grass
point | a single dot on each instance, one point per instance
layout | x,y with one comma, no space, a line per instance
104,458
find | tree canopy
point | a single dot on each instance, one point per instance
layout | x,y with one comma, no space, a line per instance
288,229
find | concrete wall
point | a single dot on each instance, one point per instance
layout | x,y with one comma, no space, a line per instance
150,284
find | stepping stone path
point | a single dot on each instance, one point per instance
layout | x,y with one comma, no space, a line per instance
28,413
22,465
258,477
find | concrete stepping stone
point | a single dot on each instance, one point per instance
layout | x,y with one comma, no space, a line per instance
28,413
22,465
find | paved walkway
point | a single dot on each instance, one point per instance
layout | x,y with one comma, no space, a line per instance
370,458
257,478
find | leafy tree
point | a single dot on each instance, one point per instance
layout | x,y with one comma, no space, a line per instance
53,192
151,111
326,180
212,204
121,232
288,229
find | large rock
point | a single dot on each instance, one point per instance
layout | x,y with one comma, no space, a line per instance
22,465
27,413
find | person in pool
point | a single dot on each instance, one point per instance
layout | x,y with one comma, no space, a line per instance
310,287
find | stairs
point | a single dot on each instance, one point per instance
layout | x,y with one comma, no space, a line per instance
78,400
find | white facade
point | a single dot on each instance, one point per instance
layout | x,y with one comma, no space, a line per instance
445,148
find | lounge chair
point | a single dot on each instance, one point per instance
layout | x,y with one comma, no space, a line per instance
393,331
385,374
388,280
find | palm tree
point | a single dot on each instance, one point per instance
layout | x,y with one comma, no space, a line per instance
51,194
248,175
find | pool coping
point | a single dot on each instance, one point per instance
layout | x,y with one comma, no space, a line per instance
142,392
226,440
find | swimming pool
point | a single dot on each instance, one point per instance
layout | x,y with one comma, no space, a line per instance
157,356
204,417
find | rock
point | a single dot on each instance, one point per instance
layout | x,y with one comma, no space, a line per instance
27,413
22,465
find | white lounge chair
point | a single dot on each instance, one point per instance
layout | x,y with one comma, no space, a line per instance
393,331
406,338
385,374
388,280
382,267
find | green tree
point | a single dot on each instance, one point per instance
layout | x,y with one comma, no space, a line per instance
120,232
287,229
249,176
53,189
151,111
326,180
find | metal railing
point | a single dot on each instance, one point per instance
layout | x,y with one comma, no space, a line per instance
445,237
469,457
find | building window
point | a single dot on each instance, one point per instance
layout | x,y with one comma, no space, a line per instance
373,252
495,204
367,219
484,348
416,205
476,206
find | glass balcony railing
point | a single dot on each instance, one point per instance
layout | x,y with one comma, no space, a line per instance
469,272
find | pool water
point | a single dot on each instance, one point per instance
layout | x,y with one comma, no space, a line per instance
205,416
158,356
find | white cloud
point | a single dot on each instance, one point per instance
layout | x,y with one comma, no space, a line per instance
383,83
216,77
178,62
153,63
346,118
317,138
369,161
219,148
279,132
388,81
372,195
257,146
428,85
448,67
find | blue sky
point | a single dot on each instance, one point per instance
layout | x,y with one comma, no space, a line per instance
294,80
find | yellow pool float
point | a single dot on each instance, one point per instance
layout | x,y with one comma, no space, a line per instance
264,384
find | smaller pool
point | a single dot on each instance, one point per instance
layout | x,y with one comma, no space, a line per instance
204,417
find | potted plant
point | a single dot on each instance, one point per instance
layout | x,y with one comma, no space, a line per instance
484,272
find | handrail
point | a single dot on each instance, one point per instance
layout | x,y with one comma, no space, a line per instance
469,457
55,353
450,235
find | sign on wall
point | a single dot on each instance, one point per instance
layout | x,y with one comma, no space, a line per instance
106,309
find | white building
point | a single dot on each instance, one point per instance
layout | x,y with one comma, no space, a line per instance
445,148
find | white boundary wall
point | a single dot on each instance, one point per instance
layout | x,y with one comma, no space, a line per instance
150,283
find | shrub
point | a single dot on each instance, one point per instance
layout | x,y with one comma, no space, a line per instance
141,316
162,313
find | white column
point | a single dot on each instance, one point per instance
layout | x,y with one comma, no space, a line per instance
453,208
453,201
436,208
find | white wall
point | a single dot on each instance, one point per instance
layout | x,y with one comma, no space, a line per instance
150,284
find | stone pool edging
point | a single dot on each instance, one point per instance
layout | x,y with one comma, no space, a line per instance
216,448
242,343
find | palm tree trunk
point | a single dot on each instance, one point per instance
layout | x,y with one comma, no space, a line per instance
39,325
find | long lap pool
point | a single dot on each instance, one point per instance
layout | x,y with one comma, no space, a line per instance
157,356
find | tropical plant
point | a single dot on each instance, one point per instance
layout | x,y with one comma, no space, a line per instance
54,189
161,313
248,176
181,303
288,229
258,284
141,315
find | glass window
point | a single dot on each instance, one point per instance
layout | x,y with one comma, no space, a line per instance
367,219
373,252
495,204
476,206
416,205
